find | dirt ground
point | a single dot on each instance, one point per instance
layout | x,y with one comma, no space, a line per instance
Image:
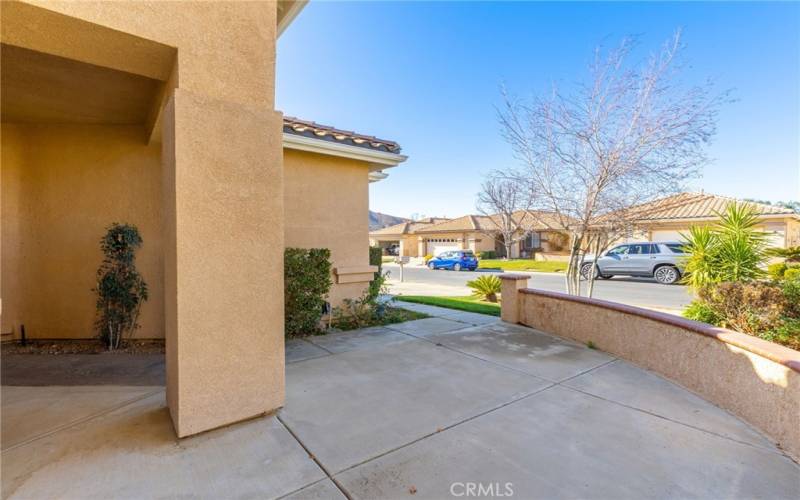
57,347
141,363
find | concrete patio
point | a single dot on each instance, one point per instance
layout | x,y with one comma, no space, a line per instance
423,408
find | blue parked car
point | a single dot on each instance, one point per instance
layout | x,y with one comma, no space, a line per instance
455,260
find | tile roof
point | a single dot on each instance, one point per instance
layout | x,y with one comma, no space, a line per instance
696,206
407,227
314,130
531,220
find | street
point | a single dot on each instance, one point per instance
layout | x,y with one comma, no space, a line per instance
641,292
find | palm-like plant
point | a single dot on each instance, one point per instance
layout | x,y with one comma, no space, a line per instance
701,267
791,254
742,248
485,287
731,250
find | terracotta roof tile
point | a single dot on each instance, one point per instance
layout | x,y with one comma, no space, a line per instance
532,220
314,130
407,227
696,206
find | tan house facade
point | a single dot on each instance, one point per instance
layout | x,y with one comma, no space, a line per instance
161,115
478,233
402,236
666,219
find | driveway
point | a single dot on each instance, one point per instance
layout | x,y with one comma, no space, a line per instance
433,408
640,292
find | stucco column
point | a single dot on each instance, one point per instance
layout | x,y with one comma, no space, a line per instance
421,250
510,296
224,238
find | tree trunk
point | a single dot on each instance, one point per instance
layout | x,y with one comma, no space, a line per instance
595,249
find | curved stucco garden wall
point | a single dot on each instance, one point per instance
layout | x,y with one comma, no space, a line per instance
754,379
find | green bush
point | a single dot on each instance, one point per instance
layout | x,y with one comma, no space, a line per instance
787,333
792,273
700,311
375,259
307,281
487,254
776,270
486,287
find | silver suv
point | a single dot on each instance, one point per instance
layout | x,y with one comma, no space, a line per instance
662,261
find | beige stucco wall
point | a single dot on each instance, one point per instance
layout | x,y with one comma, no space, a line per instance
62,185
735,371
479,242
326,201
793,233
225,49
222,184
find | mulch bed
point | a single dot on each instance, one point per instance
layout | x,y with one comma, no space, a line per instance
58,347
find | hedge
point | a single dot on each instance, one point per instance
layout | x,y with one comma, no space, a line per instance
375,259
307,281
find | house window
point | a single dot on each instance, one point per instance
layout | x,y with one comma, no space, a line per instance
533,240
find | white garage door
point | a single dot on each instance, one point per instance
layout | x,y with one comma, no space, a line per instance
667,236
440,246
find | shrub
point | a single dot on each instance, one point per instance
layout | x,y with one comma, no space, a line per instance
775,271
428,257
700,311
752,307
791,291
120,288
488,254
376,259
792,273
307,281
787,333
486,287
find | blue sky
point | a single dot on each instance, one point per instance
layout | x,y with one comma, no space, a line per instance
427,75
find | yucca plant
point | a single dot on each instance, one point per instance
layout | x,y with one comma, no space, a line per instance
742,248
791,254
485,287
701,267
730,251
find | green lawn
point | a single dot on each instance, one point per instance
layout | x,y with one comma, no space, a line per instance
523,265
468,303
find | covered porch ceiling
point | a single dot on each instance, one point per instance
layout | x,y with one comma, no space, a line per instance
44,88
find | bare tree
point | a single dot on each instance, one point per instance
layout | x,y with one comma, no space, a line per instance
631,134
506,203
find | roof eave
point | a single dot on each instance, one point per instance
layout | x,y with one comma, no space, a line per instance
287,12
377,160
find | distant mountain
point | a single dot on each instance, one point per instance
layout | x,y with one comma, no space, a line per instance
378,220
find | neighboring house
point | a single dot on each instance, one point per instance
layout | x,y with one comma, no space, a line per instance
402,236
475,232
327,172
162,115
665,219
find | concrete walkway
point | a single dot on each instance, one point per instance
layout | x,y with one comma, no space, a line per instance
432,408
